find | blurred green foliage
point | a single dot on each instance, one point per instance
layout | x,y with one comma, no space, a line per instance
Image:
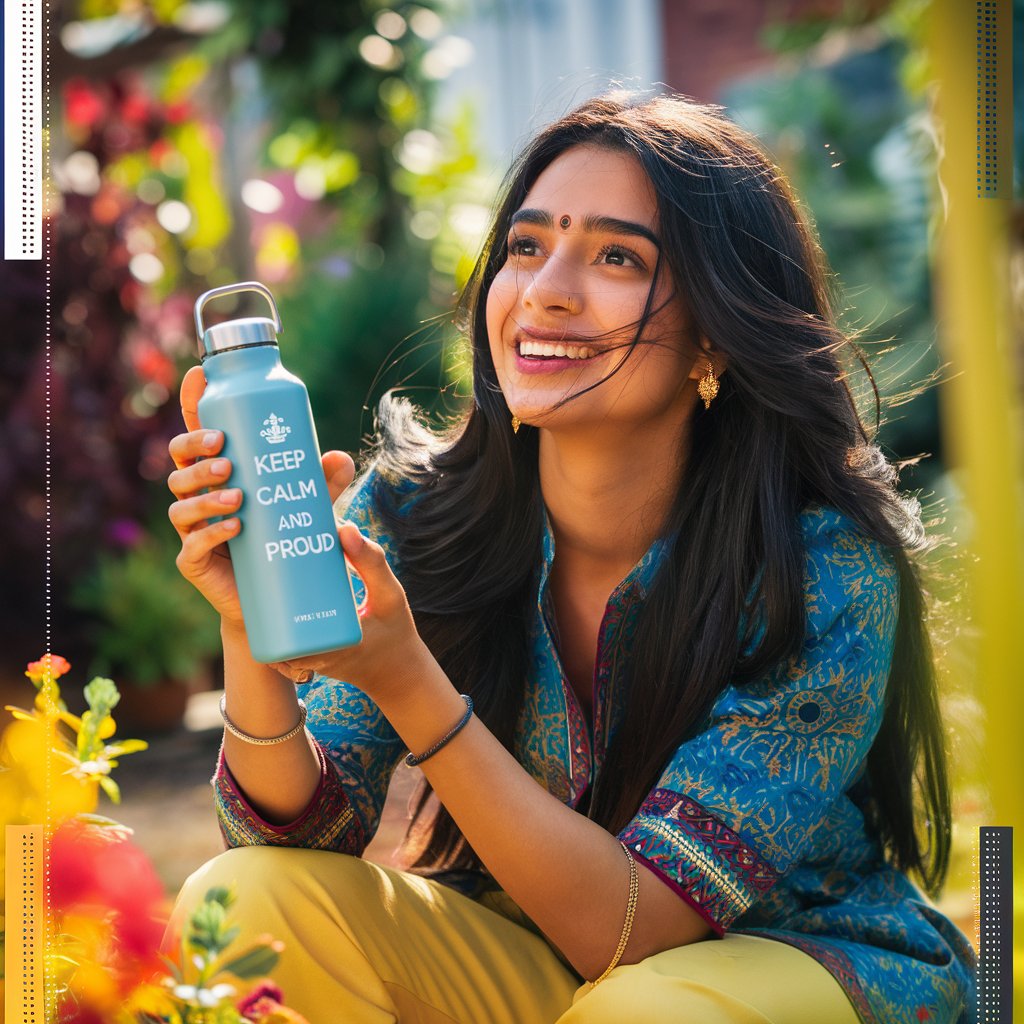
147,624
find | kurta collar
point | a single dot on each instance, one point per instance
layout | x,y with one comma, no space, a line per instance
640,576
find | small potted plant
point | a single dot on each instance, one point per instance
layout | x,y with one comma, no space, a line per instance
150,629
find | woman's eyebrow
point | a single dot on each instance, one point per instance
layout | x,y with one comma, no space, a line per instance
590,223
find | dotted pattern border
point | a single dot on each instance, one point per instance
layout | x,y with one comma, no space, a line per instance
995,924
23,135
25,925
987,176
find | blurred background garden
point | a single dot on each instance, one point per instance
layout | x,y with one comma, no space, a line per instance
346,155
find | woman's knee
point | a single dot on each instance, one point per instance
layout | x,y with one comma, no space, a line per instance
632,994
266,881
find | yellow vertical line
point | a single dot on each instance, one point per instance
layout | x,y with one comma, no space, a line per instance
981,406
24,924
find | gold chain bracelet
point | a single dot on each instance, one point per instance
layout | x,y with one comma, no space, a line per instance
259,741
627,927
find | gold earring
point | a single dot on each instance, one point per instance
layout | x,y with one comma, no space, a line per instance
516,424
707,387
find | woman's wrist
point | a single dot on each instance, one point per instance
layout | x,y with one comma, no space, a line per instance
394,679
232,629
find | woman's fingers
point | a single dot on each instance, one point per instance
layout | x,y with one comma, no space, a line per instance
190,513
340,470
197,545
192,387
192,478
297,675
186,449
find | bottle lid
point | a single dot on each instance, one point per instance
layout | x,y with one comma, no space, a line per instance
252,330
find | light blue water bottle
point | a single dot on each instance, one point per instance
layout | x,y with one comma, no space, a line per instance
293,583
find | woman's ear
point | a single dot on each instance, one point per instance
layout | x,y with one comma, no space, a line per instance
719,360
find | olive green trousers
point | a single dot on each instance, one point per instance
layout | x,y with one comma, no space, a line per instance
365,944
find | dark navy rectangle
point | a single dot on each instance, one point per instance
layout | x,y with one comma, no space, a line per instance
995,924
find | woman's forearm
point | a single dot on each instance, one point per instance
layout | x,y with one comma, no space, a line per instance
278,780
564,870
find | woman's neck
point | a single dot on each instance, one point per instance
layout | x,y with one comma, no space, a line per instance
608,501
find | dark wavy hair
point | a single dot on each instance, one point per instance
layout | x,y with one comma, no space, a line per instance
783,433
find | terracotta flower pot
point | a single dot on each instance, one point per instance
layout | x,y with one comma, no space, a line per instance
151,709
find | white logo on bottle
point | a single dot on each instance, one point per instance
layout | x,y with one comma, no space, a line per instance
275,433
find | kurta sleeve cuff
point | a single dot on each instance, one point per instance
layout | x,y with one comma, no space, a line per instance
327,822
705,862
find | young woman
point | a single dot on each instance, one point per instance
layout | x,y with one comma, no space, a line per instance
649,618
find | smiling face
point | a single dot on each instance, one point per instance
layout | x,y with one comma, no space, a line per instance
564,308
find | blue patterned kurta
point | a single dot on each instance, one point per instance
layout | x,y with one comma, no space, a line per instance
755,821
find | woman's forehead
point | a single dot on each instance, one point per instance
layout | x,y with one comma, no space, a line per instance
590,180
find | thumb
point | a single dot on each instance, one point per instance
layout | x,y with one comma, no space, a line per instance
368,559
193,385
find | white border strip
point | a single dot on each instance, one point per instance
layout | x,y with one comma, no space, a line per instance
23,130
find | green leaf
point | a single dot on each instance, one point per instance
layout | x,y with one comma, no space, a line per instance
173,968
253,964
122,747
110,787
221,894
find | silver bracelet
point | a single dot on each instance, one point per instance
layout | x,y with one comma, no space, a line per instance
245,737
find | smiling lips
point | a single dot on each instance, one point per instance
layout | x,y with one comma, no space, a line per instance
553,349
547,349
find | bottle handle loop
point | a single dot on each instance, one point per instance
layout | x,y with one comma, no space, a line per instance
232,289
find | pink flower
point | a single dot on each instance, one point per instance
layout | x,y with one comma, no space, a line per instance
264,1001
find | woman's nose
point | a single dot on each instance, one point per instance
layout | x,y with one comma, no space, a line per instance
550,288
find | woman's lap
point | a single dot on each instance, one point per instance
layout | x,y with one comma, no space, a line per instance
367,944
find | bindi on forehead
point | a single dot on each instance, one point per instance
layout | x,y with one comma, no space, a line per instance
565,222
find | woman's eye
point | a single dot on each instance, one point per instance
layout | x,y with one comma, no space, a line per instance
617,256
522,246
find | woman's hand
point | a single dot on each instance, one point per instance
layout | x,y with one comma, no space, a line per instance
391,656
204,560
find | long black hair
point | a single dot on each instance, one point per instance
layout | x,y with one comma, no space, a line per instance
783,433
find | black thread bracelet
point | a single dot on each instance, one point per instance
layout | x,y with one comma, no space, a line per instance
412,760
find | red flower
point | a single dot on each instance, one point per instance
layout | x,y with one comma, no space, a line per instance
153,365
82,107
71,1011
923,1014
159,149
36,670
135,108
97,869
178,111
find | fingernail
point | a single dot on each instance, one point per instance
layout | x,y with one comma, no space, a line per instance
219,467
229,497
210,439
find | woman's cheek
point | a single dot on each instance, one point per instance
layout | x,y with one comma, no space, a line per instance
501,298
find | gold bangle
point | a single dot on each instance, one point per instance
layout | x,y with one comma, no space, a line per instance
257,740
627,927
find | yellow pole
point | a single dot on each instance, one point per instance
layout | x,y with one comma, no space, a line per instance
981,404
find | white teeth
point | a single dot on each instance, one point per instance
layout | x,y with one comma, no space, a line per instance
543,348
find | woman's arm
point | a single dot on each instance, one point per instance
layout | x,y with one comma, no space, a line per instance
566,872
278,780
